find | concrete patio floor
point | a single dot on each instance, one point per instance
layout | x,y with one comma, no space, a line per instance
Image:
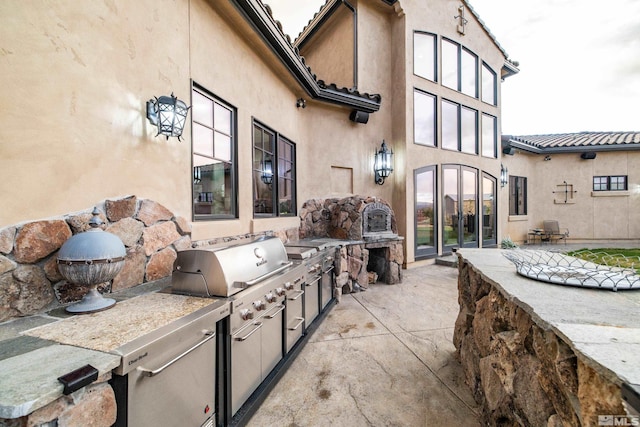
382,357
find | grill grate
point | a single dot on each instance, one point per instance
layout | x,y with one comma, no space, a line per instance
562,269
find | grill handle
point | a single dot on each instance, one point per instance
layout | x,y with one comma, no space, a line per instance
151,373
252,282
258,326
300,319
280,308
300,292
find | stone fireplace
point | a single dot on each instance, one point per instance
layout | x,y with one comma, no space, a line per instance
368,223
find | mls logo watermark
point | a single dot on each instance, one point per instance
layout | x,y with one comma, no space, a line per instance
618,420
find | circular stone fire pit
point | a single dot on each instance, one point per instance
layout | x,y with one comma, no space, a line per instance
561,269
89,259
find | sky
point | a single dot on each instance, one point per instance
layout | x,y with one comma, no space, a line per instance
579,61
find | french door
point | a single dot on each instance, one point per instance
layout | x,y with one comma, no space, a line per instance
459,207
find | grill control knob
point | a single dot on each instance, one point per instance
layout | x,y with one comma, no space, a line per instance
246,314
259,305
270,297
280,291
288,286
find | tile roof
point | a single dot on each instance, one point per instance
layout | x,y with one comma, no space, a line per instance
574,142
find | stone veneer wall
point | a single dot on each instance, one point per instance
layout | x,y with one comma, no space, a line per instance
91,406
519,373
29,277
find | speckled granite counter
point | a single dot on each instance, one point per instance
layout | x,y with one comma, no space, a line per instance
126,321
35,351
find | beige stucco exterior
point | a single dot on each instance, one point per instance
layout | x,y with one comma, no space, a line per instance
77,76
589,215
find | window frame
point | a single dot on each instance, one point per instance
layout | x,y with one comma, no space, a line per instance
459,126
608,183
277,173
434,98
494,136
434,52
494,91
233,169
460,50
517,192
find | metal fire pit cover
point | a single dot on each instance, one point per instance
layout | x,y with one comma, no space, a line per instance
562,269
91,258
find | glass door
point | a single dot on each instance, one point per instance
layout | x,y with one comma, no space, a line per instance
489,218
460,206
425,211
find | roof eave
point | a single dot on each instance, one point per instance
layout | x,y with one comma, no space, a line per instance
258,17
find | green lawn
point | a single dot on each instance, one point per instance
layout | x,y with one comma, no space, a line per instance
626,258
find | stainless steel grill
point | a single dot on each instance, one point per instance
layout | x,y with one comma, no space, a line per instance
225,270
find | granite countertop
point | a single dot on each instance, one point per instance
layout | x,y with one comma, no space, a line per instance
126,321
601,325
36,350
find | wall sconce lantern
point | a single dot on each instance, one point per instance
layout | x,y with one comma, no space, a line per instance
504,176
267,172
169,114
383,164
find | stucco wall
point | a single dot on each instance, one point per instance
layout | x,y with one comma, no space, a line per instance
76,76
74,129
588,215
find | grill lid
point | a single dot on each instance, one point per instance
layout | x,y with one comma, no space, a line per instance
226,270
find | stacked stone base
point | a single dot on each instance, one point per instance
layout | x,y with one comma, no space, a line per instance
520,374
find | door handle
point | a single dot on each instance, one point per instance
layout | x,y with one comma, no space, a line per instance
279,309
301,319
151,373
297,296
258,326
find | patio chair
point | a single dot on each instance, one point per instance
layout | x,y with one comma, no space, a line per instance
553,232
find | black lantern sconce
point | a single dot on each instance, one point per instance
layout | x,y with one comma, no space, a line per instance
383,163
267,172
169,114
504,175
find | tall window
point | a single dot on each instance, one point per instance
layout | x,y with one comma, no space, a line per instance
489,85
274,182
459,68
517,195
489,136
610,183
213,153
424,55
424,118
425,211
459,128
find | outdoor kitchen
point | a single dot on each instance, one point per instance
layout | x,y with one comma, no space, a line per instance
133,316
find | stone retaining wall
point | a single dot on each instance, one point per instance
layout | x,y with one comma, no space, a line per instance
519,373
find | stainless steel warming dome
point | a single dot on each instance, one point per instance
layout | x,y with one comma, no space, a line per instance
91,258
223,270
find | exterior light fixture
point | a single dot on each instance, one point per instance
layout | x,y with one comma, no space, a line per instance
301,103
383,163
267,172
504,176
169,114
